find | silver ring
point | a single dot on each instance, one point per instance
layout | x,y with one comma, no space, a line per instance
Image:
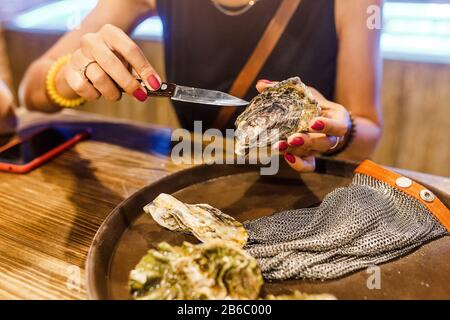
84,69
338,141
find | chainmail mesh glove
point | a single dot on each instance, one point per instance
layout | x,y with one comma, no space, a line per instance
367,223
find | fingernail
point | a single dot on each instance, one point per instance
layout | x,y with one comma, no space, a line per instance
282,146
318,125
265,81
140,95
297,142
289,157
154,82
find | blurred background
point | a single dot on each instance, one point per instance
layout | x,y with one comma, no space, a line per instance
416,83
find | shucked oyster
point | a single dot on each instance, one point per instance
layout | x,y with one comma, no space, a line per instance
215,270
288,107
206,223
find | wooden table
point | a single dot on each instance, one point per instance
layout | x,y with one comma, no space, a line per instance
49,217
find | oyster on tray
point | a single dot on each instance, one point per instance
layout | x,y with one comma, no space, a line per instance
287,107
214,270
205,222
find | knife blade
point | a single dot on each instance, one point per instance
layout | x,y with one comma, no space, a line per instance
197,95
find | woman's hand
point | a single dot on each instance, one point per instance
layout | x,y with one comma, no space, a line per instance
325,133
8,119
109,54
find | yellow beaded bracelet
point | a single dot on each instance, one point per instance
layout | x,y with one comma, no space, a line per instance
50,83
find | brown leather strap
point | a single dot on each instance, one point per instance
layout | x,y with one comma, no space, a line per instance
258,58
413,189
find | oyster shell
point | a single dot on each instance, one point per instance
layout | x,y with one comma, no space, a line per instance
205,222
288,106
215,270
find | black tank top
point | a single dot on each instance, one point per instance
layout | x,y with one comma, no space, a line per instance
207,49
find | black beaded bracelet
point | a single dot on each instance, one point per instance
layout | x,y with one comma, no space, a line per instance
348,138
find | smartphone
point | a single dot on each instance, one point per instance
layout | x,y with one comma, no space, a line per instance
23,154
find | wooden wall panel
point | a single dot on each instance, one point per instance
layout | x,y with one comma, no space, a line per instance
416,103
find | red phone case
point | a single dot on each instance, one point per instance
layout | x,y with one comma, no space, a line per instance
25,168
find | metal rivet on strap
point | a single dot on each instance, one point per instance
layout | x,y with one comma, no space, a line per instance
403,182
427,195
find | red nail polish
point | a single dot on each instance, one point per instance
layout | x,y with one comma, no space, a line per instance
140,95
289,157
282,146
154,82
297,142
318,125
265,81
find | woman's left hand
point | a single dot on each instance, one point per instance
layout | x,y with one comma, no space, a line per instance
325,133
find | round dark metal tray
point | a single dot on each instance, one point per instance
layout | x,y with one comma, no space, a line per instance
127,233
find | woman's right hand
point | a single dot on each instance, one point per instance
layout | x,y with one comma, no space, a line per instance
111,52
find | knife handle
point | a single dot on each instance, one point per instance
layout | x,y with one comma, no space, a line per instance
166,90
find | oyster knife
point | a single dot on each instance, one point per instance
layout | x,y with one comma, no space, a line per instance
197,95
